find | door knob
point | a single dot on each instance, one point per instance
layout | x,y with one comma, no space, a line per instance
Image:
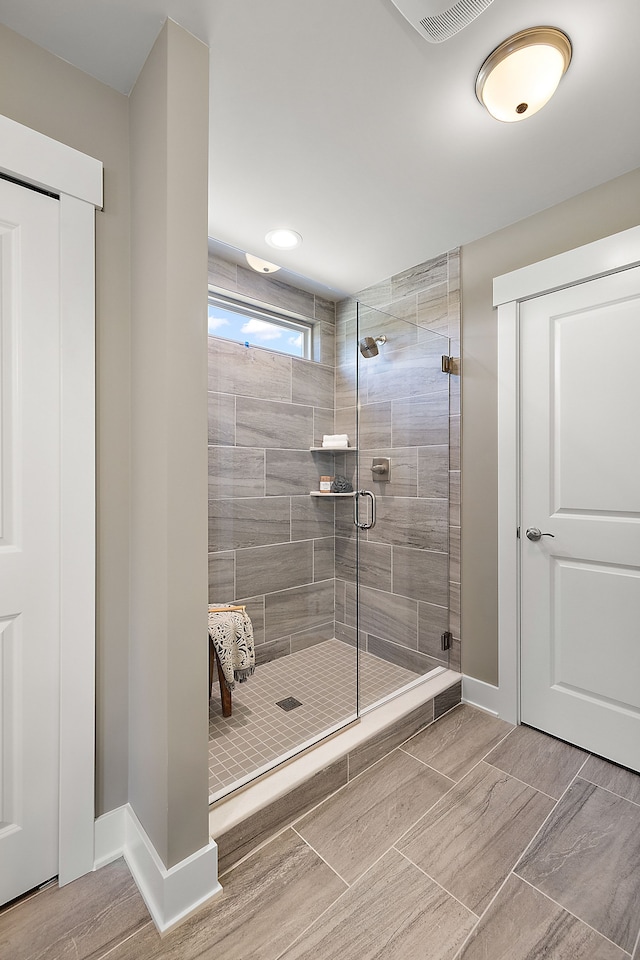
534,534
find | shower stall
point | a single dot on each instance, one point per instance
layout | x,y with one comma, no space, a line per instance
348,589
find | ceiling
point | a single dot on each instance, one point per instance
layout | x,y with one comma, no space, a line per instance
336,118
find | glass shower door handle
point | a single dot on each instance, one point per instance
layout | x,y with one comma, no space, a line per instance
356,518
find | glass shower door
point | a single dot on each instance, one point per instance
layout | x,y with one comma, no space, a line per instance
402,543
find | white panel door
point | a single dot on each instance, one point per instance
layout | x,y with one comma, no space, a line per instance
580,458
29,538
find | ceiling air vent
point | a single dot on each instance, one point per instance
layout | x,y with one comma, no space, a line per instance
437,22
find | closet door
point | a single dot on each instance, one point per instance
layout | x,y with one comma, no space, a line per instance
29,538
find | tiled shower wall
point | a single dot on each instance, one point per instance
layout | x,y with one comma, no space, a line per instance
271,544
409,563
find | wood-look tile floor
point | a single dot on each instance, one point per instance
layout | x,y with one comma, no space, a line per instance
471,841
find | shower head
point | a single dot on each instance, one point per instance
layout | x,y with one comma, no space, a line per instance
369,345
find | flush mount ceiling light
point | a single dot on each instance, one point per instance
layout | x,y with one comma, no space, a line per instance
283,239
522,74
262,266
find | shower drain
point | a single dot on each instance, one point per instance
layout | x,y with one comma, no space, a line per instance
289,703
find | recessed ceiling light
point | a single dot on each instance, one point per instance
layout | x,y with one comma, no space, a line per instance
522,74
262,266
283,239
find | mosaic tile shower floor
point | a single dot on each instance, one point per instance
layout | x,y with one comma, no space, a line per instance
322,678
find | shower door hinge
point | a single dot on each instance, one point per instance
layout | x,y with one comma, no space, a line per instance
445,640
450,365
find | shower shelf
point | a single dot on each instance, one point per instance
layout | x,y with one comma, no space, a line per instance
333,449
320,493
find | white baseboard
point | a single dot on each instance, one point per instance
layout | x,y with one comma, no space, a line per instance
481,694
171,894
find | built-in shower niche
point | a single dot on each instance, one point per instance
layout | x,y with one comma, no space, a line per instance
297,561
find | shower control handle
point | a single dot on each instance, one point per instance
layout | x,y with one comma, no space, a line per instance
370,523
533,533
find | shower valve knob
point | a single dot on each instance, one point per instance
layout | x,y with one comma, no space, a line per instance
381,469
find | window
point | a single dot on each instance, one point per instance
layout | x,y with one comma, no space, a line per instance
258,328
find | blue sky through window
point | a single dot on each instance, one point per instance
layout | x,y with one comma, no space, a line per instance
255,331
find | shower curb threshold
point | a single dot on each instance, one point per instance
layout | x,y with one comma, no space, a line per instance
246,818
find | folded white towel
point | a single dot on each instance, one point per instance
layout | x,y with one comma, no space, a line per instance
336,444
335,438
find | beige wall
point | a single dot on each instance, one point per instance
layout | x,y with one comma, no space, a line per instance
147,713
48,95
605,210
168,650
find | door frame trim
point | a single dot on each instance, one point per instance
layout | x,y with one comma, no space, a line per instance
33,158
597,259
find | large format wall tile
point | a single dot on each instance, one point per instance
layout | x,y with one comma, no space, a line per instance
433,621
433,472
469,843
404,471
312,383
325,309
353,828
420,421
267,423
222,273
421,574
222,418
235,472
255,610
392,322
327,353
358,924
383,614
345,422
454,554
416,374
300,608
374,563
346,376
273,650
295,472
433,308
587,859
262,570
275,292
417,279
374,425
309,638
323,424
311,517
248,523
248,371
412,522
324,559
222,570
447,700
400,655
